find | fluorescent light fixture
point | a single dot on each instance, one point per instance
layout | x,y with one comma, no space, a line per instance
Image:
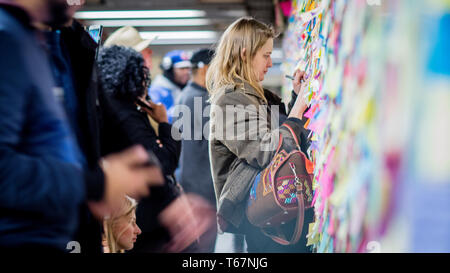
235,13
152,22
180,34
134,14
181,37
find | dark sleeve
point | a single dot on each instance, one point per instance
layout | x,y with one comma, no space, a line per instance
172,146
304,133
36,184
139,131
292,102
95,184
81,48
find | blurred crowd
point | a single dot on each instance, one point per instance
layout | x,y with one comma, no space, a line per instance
87,149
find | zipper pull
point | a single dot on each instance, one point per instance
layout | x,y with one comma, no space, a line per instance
297,183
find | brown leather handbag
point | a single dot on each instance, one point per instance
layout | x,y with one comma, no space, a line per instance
282,192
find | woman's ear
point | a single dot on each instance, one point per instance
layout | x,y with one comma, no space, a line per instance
243,53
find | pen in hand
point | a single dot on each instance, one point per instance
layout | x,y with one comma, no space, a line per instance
289,77
292,78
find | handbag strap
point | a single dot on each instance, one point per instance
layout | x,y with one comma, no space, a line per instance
308,164
293,135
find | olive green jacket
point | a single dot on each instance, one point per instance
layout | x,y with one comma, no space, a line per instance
243,140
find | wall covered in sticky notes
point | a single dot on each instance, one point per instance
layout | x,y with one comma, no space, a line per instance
379,116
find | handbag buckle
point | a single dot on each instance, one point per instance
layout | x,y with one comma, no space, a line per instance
297,183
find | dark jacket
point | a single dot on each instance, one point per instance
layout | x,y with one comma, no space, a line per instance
41,183
195,172
126,126
81,50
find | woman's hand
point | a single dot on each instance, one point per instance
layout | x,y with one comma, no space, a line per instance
158,111
300,83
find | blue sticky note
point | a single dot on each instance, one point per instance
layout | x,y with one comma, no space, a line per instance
439,62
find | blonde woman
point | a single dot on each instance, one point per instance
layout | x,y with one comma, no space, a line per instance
245,124
120,229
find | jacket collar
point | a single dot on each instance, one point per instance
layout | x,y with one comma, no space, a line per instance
193,84
246,88
17,11
161,80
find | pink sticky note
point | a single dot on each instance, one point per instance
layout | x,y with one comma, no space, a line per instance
310,112
316,193
317,125
326,183
286,8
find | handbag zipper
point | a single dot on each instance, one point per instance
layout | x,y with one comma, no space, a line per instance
297,183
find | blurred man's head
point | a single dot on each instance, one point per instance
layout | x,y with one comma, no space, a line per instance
200,62
53,13
128,36
177,67
181,75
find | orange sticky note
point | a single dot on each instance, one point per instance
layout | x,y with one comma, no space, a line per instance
307,123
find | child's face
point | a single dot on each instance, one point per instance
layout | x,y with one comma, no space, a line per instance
127,230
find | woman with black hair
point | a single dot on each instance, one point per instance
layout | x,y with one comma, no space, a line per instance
125,78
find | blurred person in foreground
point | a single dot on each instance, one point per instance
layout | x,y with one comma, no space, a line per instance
43,175
72,58
194,152
166,88
170,220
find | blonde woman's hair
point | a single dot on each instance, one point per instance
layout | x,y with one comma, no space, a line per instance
228,68
126,209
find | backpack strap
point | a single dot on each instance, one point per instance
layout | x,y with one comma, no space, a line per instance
308,163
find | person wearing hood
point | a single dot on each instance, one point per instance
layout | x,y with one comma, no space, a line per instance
166,88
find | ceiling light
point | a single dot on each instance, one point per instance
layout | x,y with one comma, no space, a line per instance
134,14
151,22
181,37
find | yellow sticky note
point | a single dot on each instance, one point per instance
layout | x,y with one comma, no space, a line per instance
312,239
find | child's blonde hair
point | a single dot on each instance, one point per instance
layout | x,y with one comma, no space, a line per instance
127,208
228,67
